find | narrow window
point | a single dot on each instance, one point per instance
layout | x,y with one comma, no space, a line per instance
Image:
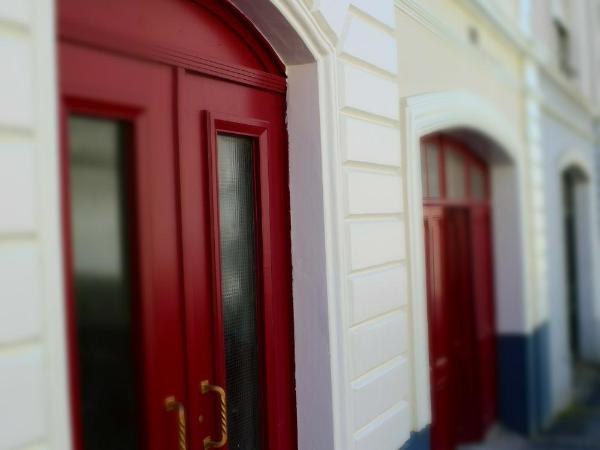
455,175
563,42
236,168
477,178
102,283
432,176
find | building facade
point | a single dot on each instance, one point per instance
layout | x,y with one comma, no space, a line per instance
395,201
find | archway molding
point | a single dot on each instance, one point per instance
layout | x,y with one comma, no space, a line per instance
468,115
575,158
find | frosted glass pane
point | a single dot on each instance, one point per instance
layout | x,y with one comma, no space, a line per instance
477,183
101,277
433,170
424,173
455,175
238,285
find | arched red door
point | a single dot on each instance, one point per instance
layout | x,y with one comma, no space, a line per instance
460,292
176,227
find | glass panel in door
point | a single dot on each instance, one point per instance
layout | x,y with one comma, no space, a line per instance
455,175
102,283
478,188
236,168
433,170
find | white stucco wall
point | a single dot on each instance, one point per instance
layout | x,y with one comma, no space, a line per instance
372,303
568,141
33,380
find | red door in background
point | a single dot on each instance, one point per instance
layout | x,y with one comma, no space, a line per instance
460,292
176,228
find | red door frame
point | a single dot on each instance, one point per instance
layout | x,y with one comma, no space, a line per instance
479,413
279,385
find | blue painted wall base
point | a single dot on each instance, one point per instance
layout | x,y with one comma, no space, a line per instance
419,440
524,380
541,347
523,385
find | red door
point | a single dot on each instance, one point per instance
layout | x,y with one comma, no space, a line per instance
176,228
439,344
460,292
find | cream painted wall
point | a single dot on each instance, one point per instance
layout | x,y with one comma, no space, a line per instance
510,8
445,59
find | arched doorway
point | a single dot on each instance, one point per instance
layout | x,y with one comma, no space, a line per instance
458,252
578,258
176,227
570,180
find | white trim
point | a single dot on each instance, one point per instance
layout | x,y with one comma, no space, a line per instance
50,235
454,109
429,113
322,385
576,158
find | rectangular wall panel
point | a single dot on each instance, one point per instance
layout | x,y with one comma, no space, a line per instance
22,396
389,431
370,44
377,342
375,243
373,193
379,392
370,142
368,92
20,307
18,191
377,292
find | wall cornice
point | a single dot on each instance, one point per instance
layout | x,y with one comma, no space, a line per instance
417,12
513,35
503,24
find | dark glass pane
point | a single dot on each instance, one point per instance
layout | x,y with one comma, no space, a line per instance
433,170
424,173
238,284
477,182
455,175
102,283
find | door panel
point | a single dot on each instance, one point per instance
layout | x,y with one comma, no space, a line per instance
461,323
212,113
484,293
140,95
460,292
439,333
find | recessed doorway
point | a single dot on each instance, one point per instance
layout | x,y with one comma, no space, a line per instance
460,291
